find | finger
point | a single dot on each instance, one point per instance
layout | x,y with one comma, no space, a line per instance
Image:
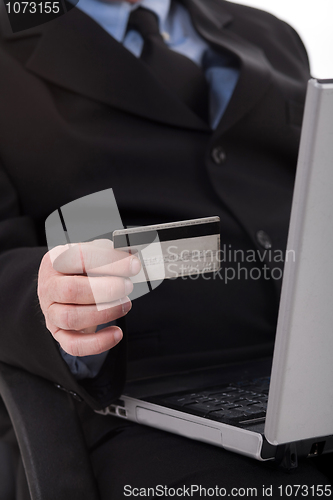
88,344
73,317
55,252
87,290
98,257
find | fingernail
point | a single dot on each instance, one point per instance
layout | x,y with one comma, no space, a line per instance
128,286
117,335
135,265
126,306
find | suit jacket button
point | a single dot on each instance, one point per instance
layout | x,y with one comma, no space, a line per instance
218,155
264,240
72,393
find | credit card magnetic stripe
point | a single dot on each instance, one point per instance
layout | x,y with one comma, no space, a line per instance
166,232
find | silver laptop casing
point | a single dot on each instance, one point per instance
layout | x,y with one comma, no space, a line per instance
300,403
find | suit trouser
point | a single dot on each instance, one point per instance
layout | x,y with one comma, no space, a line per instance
125,456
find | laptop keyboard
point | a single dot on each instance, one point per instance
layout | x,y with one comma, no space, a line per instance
241,402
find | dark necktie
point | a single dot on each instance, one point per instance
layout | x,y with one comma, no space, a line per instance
181,75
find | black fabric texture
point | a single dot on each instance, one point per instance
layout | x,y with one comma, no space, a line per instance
80,114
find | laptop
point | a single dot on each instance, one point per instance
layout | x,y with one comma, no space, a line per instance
278,409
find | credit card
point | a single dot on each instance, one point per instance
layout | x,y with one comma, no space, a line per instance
173,250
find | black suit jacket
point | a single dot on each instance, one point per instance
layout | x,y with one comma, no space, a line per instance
78,114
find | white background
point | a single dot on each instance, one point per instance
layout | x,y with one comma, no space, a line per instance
313,20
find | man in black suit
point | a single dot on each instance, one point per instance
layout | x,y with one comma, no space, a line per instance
81,114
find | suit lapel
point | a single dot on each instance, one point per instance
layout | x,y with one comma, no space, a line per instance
6,30
211,21
103,70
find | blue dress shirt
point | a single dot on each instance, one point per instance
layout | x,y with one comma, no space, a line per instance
179,34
